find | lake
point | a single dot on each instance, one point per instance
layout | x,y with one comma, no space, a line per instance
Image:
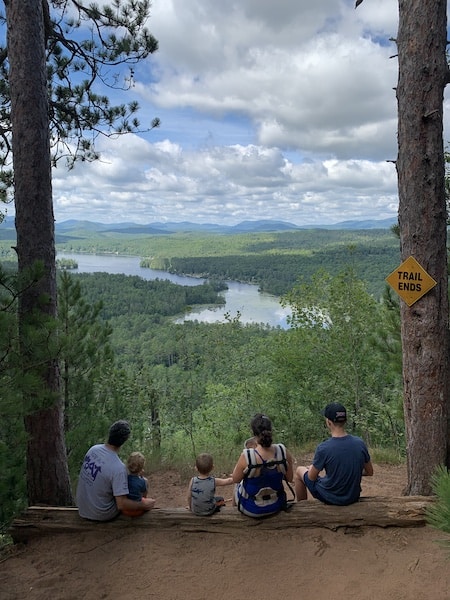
254,307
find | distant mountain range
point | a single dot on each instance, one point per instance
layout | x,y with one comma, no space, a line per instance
72,226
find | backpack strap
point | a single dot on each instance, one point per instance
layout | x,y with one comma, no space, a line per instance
283,452
252,463
282,448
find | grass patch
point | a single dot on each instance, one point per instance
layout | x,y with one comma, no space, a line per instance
6,546
387,456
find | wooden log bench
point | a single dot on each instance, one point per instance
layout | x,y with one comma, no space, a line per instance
405,511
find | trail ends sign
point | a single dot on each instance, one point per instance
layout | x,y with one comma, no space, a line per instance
410,281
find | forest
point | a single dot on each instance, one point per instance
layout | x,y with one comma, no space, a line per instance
272,260
193,387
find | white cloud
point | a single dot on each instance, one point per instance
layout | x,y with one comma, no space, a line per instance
282,110
222,184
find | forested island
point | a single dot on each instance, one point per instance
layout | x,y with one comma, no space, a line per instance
272,260
66,263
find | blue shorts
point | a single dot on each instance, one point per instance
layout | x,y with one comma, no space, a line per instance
311,486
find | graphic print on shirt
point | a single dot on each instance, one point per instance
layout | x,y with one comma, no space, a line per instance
91,467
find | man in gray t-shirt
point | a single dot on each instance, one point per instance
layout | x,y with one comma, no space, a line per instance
103,482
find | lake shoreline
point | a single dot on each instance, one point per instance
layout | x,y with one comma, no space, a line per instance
241,298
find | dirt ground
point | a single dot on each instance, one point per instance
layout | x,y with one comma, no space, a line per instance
313,564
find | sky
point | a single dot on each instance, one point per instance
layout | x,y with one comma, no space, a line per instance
270,109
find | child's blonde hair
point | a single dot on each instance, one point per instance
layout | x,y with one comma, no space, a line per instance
135,462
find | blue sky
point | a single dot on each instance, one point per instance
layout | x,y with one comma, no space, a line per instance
269,110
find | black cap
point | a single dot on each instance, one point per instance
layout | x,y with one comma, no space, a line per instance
335,412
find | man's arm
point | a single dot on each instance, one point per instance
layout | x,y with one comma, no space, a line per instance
313,473
145,493
123,502
368,469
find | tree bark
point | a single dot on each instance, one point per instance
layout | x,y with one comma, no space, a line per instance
47,473
423,70
369,512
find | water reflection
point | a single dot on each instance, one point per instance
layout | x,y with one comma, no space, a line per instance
244,299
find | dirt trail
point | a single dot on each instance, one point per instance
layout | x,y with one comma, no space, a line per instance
310,564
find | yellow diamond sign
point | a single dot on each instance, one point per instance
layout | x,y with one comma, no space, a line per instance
410,281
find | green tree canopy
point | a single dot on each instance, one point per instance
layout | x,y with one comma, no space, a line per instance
87,46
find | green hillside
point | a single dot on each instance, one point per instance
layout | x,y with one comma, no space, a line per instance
272,260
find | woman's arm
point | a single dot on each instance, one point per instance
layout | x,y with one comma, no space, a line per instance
238,471
290,466
223,481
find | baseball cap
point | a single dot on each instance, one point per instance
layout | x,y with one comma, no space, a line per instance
335,412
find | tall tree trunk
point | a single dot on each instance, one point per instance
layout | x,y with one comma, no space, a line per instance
47,472
421,42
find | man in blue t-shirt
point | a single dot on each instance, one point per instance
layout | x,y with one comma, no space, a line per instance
343,457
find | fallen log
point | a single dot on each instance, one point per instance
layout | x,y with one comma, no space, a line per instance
407,511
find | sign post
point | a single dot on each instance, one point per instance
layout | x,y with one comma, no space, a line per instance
410,281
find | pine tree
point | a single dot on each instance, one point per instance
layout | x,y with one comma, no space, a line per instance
438,515
48,112
85,353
